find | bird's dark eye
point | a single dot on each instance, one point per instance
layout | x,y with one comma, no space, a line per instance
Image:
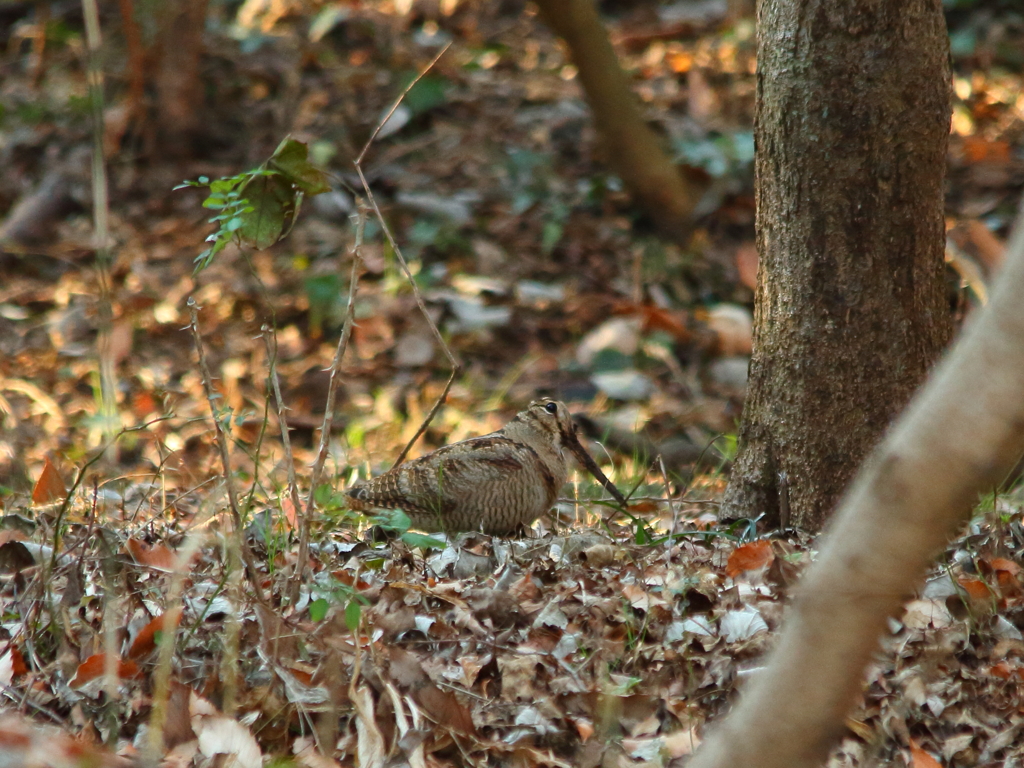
551,407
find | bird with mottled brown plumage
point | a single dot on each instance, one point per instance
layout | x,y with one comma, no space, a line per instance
496,484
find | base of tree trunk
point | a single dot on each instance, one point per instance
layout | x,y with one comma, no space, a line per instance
851,128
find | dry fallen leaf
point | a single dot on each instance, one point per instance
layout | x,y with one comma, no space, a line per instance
94,666
370,747
158,556
145,641
440,706
50,486
921,759
226,736
25,744
749,557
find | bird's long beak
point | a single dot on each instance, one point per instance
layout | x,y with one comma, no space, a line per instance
581,455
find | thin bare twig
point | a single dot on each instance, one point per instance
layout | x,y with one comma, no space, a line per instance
332,387
672,508
430,416
398,101
270,340
229,662
225,454
653,499
456,366
153,748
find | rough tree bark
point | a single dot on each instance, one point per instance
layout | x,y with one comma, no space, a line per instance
633,150
960,436
852,120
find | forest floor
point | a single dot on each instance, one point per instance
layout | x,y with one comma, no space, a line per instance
595,640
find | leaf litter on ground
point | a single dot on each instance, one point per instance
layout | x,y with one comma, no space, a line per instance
574,647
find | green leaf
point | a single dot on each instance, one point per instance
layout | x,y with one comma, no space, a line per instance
429,92
318,609
551,235
610,360
323,494
393,520
223,186
273,200
422,541
352,615
291,159
259,206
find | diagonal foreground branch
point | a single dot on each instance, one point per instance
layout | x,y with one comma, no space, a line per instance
960,435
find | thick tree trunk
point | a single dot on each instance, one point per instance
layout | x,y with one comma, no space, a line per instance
960,436
634,150
853,106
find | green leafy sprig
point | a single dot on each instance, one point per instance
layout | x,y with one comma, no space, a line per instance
258,207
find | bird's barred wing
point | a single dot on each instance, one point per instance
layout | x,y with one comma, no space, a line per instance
435,483
451,472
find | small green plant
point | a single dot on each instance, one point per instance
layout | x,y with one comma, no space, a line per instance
636,629
728,446
626,687
396,522
393,521
341,594
258,207
325,301
532,181
333,505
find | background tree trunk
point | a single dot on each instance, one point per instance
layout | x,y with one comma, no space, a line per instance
179,87
633,150
851,125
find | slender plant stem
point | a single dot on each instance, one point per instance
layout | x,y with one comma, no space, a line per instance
225,454
332,387
401,97
101,223
270,340
456,366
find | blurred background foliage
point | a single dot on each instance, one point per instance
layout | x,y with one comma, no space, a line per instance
543,272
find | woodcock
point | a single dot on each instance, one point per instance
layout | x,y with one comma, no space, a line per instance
496,483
